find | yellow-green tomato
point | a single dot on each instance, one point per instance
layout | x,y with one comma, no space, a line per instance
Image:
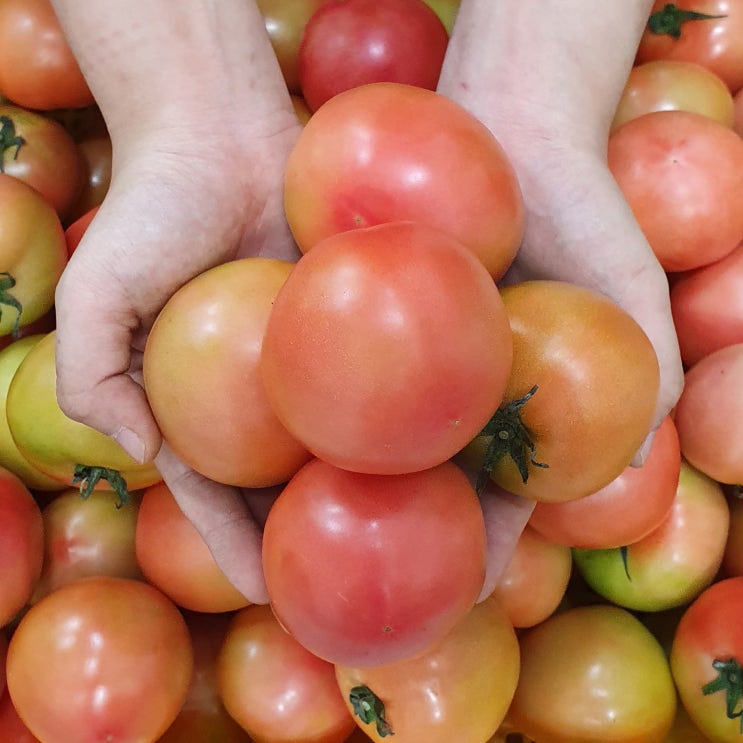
446,10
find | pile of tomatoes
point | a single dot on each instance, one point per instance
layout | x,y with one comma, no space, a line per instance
387,389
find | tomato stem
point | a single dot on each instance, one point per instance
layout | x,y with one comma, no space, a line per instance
6,298
88,476
509,436
729,680
8,139
370,709
670,19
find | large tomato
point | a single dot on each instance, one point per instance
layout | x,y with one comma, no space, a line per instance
369,569
202,377
384,152
592,674
458,690
37,67
707,660
682,174
277,690
580,398
100,659
387,349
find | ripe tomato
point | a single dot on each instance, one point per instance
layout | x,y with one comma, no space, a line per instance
96,151
369,569
458,690
738,112
37,67
675,562
201,364
12,728
708,415
591,674
75,231
100,659
387,349
715,40
580,398
277,690
669,85
384,152
21,545
706,658
625,510
347,43
682,174
732,561
707,306
175,559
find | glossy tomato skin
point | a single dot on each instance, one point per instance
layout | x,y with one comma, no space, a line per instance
716,43
369,569
385,152
276,689
37,67
387,349
709,631
347,43
201,365
682,174
590,674
100,659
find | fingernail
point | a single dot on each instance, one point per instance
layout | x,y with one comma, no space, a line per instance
130,443
644,451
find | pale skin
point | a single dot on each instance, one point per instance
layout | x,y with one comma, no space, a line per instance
201,125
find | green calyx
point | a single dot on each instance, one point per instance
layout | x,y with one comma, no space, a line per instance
730,681
88,476
369,708
669,20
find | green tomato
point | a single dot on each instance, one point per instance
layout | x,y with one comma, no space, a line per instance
446,10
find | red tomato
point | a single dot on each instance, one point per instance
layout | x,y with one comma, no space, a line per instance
97,154
21,545
277,690
174,557
732,561
591,674
385,152
669,85
446,10
738,112
707,306
713,39
458,690
706,658
369,569
12,728
74,232
387,349
100,659
580,398
708,415
625,510
682,174
347,43
201,364
3,657
37,67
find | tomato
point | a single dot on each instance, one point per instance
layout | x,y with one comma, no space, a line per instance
580,398
175,559
75,231
676,561
301,109
3,657
715,40
32,254
100,659
201,364
384,152
12,728
738,112
682,174
387,349
706,658
708,414
21,545
707,306
277,690
368,569
85,537
54,443
668,85
37,67
591,674
535,579
625,510
732,561
348,43
458,690
97,155
285,23
446,10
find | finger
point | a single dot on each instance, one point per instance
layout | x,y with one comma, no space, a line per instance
224,521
